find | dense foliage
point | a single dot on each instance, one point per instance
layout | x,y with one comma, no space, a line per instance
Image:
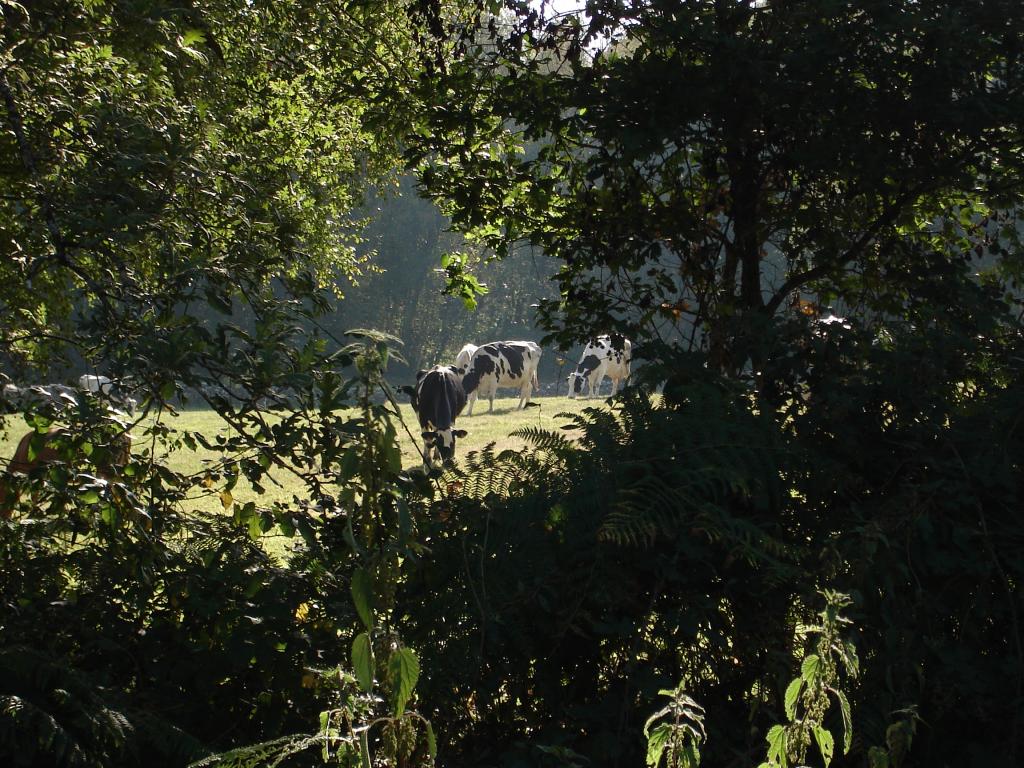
702,168
180,185
790,542
698,164
688,541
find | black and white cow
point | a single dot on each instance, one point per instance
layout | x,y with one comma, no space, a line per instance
502,364
605,356
438,399
90,382
463,358
103,386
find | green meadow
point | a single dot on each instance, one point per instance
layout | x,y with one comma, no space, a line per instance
483,428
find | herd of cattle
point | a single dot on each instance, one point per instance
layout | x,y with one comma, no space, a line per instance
439,397
443,391
17,398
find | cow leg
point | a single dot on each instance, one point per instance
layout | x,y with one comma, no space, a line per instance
470,400
615,387
524,394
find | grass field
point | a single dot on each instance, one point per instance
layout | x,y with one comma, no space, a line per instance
482,428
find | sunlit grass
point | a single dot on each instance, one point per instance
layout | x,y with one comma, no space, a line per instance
483,428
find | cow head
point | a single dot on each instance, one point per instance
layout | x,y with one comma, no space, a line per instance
440,445
575,381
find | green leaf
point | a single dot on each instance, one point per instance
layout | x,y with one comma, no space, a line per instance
90,497
826,743
878,758
431,741
193,36
792,696
849,656
656,743
349,466
393,456
777,746
324,720
362,596
689,757
844,707
810,670
362,661
403,671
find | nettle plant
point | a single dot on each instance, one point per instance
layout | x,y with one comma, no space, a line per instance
809,697
371,713
675,732
369,527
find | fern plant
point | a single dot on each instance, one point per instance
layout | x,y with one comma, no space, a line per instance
691,465
51,714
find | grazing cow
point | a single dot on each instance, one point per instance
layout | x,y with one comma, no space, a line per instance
605,356
502,364
101,385
438,400
12,398
106,458
90,382
463,358
53,394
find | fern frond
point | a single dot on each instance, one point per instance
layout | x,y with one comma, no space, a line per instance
544,439
510,472
55,713
653,508
267,754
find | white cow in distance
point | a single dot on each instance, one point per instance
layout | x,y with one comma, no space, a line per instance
601,357
102,385
90,382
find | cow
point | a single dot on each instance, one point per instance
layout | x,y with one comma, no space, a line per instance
12,398
103,386
463,358
438,399
502,364
604,356
105,458
89,382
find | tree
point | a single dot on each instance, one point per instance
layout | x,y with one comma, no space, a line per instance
405,291
703,166
705,163
178,188
156,156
